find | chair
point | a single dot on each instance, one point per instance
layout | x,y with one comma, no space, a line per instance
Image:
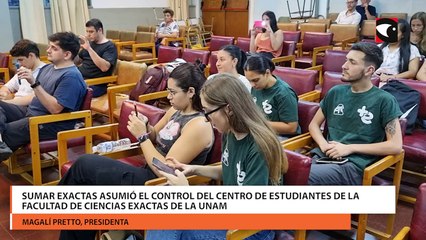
127,74
287,54
168,54
377,167
4,66
287,26
212,64
332,16
343,34
368,29
206,31
41,150
217,42
143,28
312,27
292,36
180,40
243,43
132,156
416,231
113,35
415,144
332,62
313,43
191,55
394,15
141,49
301,80
126,37
283,19
321,20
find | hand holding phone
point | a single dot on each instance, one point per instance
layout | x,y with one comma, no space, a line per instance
162,166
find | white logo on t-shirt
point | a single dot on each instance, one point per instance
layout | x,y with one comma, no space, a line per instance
339,110
241,175
225,156
365,115
267,107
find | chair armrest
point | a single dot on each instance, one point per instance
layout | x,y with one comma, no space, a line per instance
380,166
176,39
34,123
101,80
152,96
5,71
299,49
299,143
112,101
316,51
87,133
294,138
312,96
288,58
403,234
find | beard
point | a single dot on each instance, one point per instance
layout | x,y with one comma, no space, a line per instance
353,78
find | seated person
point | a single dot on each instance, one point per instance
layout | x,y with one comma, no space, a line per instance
98,55
350,15
366,11
421,74
362,121
58,88
16,91
401,58
231,59
273,96
245,160
418,32
168,28
269,42
182,133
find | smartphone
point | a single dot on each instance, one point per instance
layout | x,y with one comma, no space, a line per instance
162,166
258,24
331,160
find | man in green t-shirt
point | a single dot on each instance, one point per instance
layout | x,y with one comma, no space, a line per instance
362,121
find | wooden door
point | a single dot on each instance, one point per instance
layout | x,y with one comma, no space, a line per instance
236,17
214,9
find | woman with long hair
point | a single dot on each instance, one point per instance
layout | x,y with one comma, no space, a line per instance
183,125
269,42
273,96
231,59
401,58
418,32
251,153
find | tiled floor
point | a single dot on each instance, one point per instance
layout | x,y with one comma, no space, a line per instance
403,218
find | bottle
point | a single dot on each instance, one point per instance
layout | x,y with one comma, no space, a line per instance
110,146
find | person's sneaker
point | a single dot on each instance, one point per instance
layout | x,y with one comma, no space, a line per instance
5,151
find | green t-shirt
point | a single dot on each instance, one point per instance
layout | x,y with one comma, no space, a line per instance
358,118
242,162
279,102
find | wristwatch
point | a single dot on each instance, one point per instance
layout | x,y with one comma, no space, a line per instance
36,84
142,138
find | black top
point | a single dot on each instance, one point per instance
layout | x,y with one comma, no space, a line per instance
361,10
88,68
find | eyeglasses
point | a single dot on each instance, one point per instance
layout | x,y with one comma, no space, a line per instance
173,92
206,114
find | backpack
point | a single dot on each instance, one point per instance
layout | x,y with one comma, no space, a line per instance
408,100
154,80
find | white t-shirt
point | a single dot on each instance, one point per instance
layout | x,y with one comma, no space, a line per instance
23,89
350,18
168,29
390,63
242,78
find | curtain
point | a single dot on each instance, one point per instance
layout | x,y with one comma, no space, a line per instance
69,15
181,9
33,23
